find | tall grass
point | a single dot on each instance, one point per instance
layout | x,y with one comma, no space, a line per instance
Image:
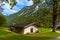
44,34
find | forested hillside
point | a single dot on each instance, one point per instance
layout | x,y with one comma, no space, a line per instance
39,13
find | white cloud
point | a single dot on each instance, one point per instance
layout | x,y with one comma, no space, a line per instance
20,2
29,3
7,7
8,12
25,2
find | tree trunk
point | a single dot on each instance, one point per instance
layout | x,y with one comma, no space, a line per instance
55,4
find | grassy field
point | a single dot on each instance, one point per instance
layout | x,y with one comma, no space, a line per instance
44,34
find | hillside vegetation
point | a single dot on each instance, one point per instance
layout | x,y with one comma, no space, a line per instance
39,13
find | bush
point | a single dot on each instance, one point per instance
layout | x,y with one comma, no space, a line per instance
3,21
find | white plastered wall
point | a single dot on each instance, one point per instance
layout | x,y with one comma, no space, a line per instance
28,29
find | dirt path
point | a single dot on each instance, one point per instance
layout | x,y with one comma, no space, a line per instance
58,38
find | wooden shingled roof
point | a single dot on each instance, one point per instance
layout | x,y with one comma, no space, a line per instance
25,25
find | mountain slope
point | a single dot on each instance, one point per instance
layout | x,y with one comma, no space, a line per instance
35,13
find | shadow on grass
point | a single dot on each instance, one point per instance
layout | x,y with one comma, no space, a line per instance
21,37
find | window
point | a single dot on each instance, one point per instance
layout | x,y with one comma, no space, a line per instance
31,30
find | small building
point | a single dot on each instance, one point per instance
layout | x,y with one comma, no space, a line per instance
26,28
58,26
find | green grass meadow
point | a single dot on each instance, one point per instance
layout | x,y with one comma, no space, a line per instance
44,34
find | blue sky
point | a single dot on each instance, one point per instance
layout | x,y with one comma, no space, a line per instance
20,4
